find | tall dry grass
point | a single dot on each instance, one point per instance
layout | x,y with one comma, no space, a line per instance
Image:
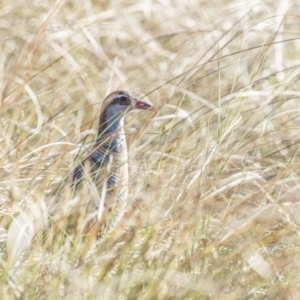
202,222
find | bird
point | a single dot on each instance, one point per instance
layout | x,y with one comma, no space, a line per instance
106,167
102,175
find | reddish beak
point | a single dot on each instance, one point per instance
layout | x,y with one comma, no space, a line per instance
143,105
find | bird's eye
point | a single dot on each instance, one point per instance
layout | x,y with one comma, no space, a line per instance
123,99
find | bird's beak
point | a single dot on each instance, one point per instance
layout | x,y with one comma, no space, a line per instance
143,105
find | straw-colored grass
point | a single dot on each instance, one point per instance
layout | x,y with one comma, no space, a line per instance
202,222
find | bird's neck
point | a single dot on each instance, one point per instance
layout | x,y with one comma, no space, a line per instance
111,129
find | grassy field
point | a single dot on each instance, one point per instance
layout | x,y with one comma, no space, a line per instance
213,210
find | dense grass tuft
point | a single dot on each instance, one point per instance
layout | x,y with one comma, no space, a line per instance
213,210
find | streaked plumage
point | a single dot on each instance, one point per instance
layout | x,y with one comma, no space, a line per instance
106,167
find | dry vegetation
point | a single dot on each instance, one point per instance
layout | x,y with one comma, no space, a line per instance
202,222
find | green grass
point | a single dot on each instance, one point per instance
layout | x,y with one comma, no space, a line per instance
202,223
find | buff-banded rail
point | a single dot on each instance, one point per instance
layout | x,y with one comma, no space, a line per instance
105,169
102,175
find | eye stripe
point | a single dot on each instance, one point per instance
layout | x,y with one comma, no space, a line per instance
121,96
122,99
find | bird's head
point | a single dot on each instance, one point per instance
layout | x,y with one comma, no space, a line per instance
116,105
121,102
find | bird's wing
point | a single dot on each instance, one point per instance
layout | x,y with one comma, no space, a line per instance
97,161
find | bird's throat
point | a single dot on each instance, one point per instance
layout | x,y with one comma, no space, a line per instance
111,130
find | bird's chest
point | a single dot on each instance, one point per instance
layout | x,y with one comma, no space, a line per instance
112,166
